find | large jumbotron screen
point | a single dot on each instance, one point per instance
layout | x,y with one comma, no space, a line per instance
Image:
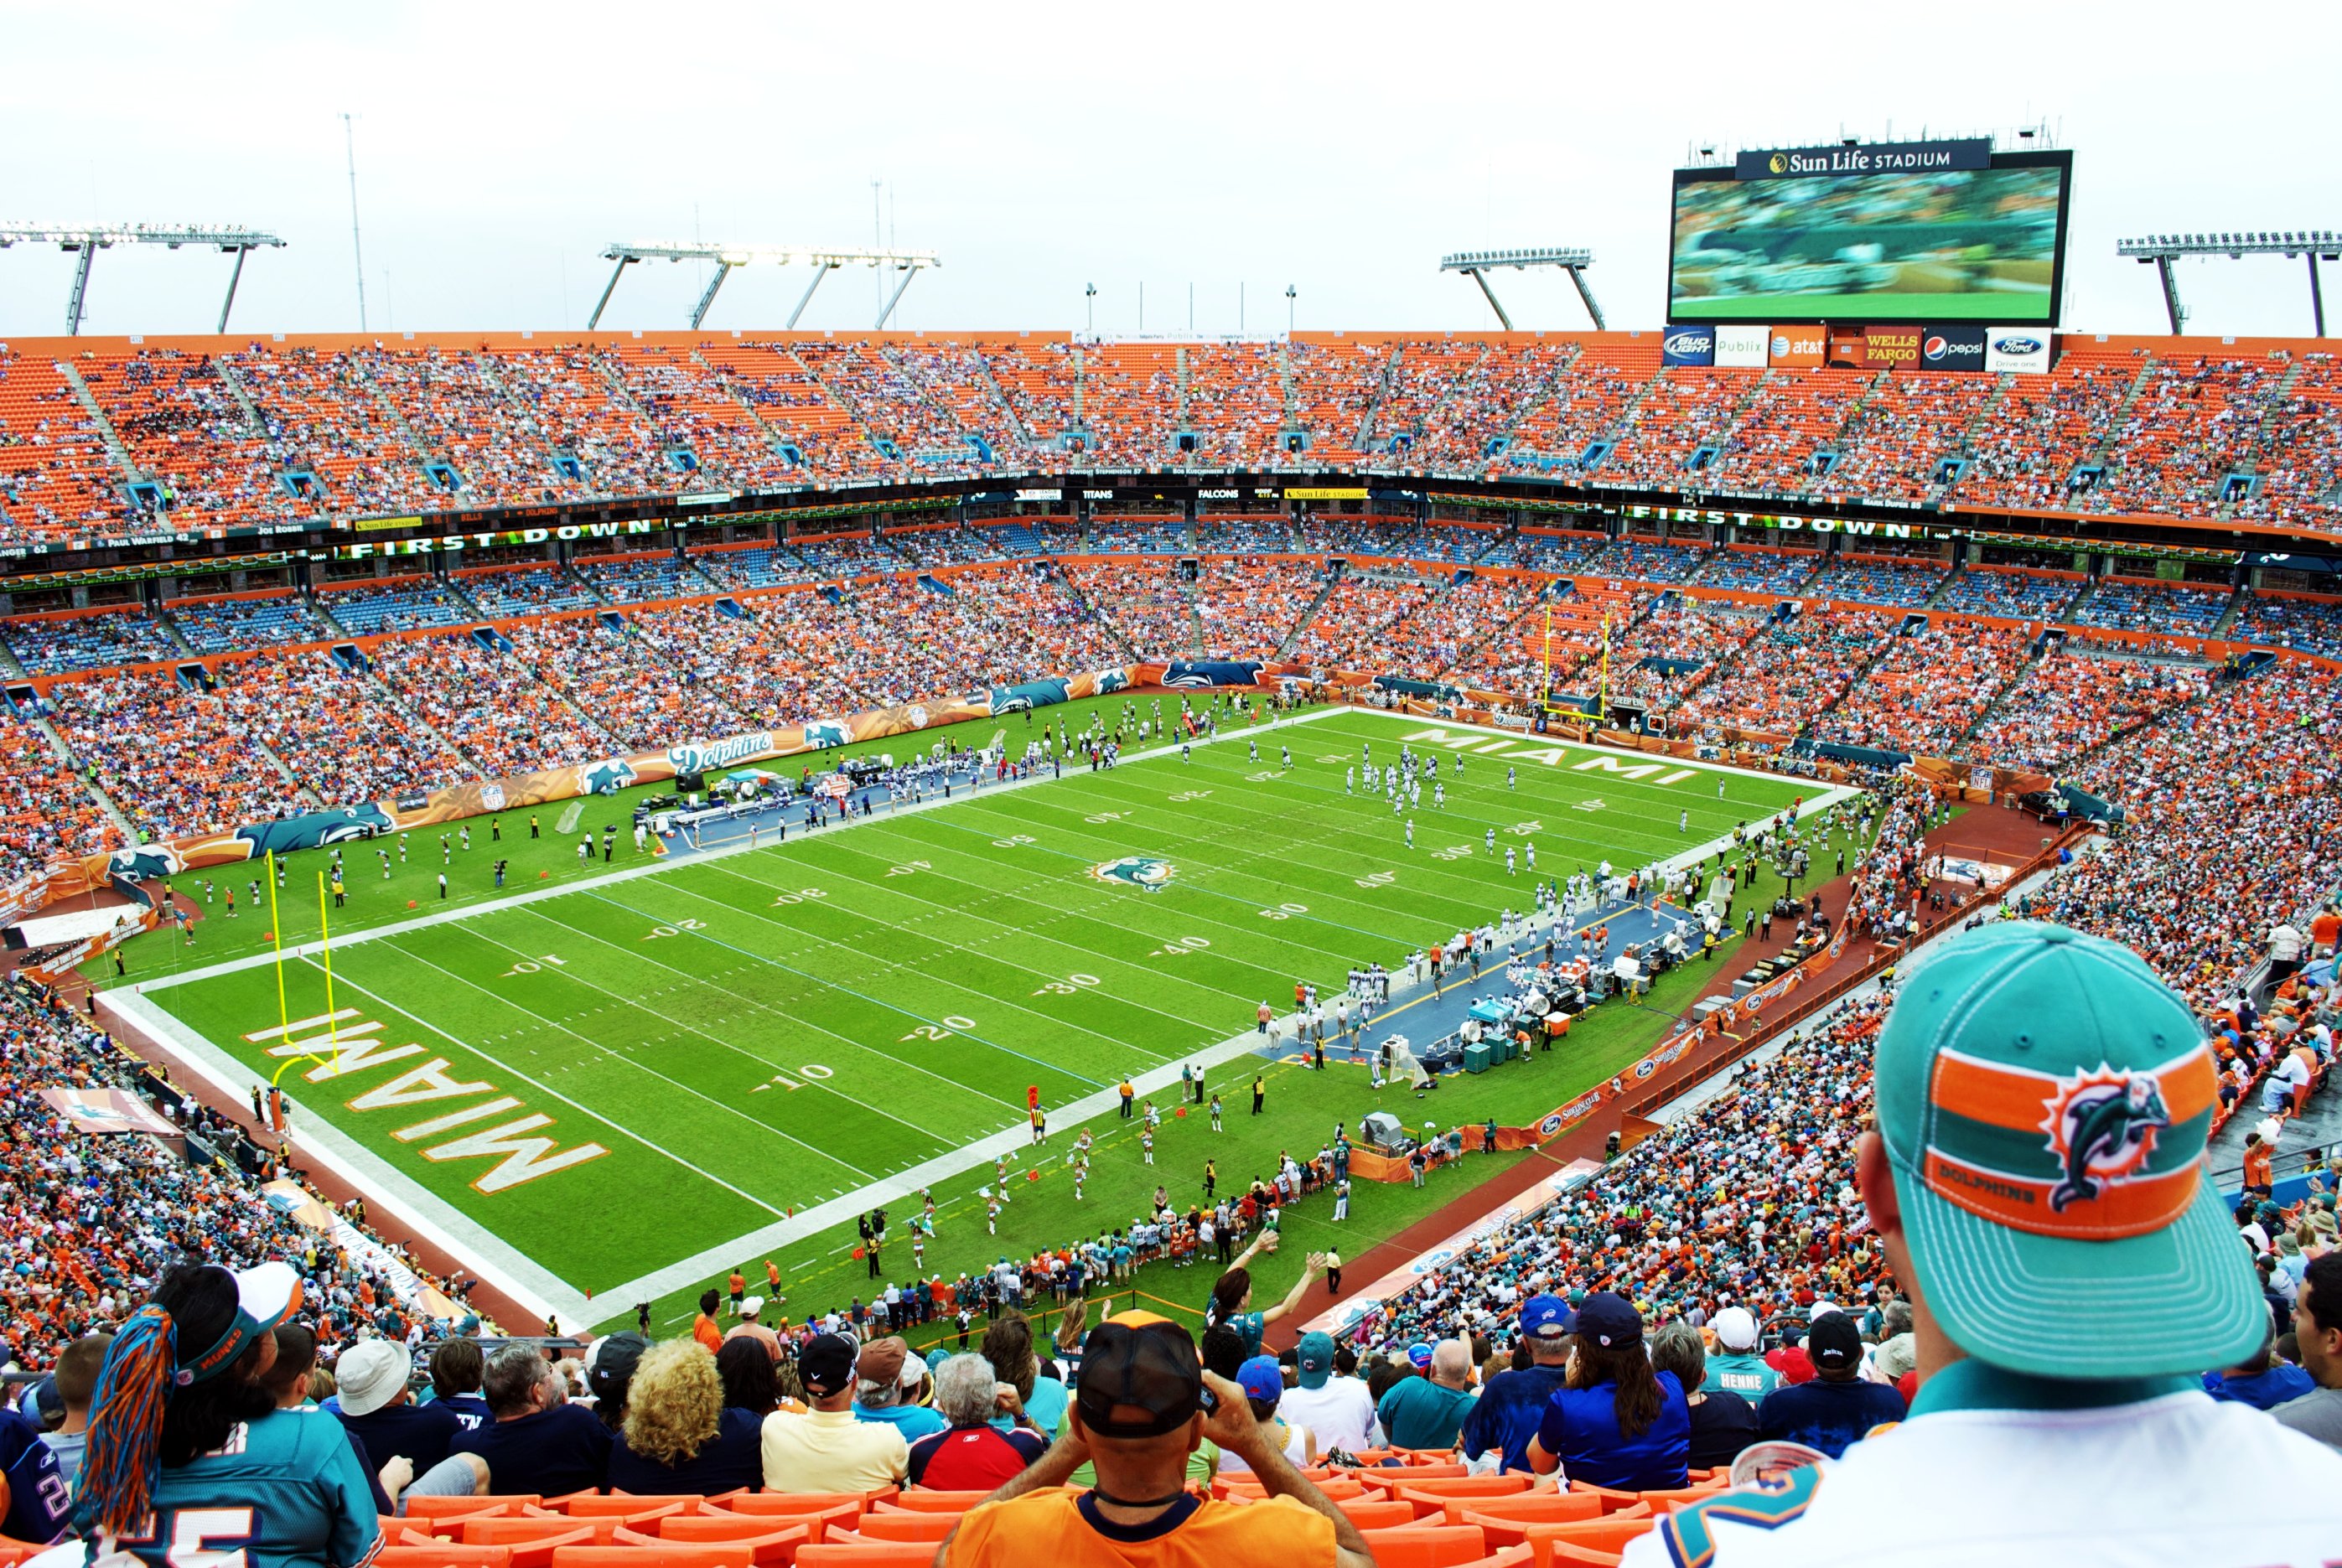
1971,244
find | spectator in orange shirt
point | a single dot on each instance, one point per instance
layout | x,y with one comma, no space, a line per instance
2324,929
2258,1180
704,1328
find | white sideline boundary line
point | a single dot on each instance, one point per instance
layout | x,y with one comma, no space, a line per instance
535,1288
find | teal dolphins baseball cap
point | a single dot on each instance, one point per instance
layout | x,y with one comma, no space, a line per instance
2045,1101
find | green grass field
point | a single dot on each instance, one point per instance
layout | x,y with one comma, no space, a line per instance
626,1077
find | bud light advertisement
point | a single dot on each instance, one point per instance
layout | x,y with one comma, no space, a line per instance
1688,345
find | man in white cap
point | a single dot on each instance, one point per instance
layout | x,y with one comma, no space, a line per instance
748,1327
372,1378
1736,1367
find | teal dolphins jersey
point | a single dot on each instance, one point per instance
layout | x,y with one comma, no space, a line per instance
282,1492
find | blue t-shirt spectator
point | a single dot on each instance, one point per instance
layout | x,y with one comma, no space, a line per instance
1417,1412
1827,1414
1580,1428
913,1420
551,1453
2263,1390
1511,1406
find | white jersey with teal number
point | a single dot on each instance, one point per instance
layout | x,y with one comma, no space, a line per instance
1972,1478
282,1492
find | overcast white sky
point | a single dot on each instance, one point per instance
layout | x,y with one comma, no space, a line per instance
1037,147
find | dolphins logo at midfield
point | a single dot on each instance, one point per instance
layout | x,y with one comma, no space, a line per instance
1144,871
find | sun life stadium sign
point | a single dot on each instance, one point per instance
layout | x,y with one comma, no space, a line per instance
1873,158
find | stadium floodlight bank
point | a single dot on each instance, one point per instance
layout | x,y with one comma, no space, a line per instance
727,256
1571,259
2159,251
88,239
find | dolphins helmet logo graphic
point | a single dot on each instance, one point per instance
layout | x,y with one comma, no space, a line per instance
2102,1128
1146,872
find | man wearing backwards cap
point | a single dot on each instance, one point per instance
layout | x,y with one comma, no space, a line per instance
1736,1367
826,1449
1339,1411
2037,1180
1139,1413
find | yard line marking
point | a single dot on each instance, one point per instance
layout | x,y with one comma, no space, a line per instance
1083,955
984,998
798,1022
621,1056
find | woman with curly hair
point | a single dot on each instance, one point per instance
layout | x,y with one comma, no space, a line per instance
679,1436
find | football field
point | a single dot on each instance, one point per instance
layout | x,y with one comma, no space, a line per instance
608,1084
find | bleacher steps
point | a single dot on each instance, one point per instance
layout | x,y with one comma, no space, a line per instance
1547,389
942,410
2251,462
65,753
1074,593
1293,633
1469,376
316,802
1991,710
251,419
731,387
1942,588
693,572
2114,422
1625,420
829,394
1007,404
114,447
1285,386
1536,605
398,704
2081,601
171,630
462,595
318,603
2229,613
1179,365
1845,425
1375,404
383,401
1960,447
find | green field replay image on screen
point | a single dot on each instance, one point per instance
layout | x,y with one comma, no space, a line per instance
1964,244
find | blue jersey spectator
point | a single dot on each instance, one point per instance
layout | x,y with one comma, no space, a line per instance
1617,1421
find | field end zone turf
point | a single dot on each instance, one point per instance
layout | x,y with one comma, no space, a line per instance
747,1034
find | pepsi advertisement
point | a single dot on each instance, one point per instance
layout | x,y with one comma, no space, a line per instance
1952,346
1688,345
